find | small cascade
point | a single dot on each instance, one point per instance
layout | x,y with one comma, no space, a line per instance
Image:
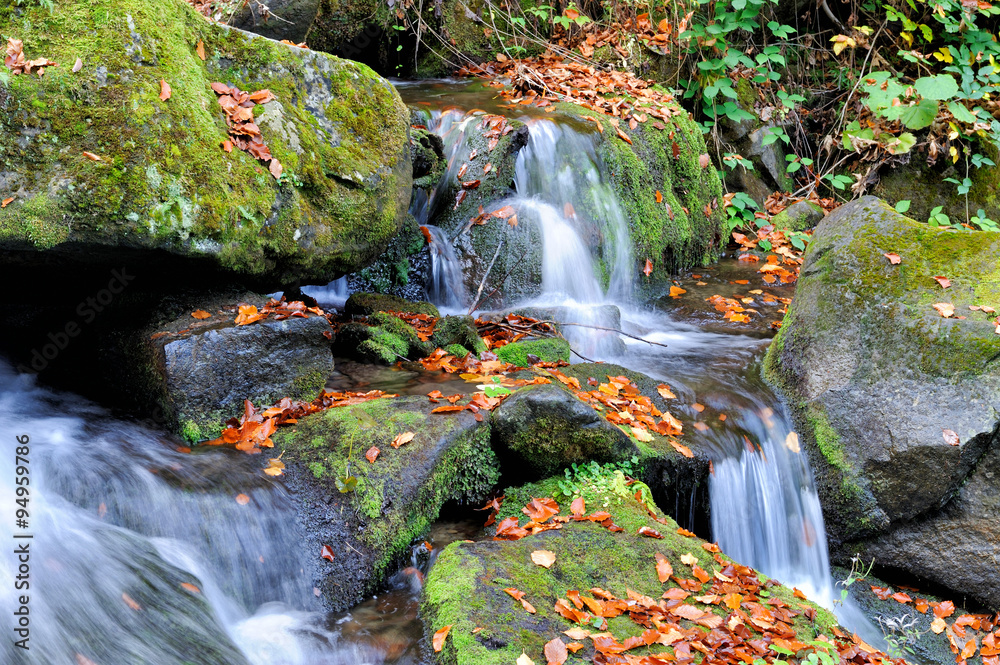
446,288
335,293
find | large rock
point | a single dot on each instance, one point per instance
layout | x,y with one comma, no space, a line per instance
466,588
878,380
277,19
396,498
208,371
163,183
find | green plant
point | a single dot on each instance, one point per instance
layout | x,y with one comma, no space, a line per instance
858,572
596,477
740,208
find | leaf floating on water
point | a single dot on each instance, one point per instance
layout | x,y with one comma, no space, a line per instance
326,553
130,602
275,467
372,454
200,314
187,586
242,499
543,558
439,638
83,660
792,442
677,292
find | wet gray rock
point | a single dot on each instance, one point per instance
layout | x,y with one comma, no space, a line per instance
799,216
877,380
208,372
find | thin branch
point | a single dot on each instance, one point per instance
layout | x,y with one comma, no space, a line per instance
479,291
614,330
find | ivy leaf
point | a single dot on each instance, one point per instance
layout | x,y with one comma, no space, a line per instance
942,86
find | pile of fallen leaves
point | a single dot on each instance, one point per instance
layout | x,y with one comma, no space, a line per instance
243,131
423,323
16,62
967,634
747,624
278,309
253,430
550,78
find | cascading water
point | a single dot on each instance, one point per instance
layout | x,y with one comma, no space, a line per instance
335,293
446,288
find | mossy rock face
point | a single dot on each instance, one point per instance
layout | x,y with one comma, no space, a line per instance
549,350
385,340
401,270
675,233
460,330
465,588
396,498
163,182
875,375
366,304
542,429
799,216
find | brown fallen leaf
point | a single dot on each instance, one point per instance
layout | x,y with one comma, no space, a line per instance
555,652
372,454
893,258
275,467
200,49
78,65
659,197
242,499
543,558
677,292
200,314
663,568
649,533
6,202
665,391
938,625
945,309
439,638
704,160
165,90
227,146
943,281
326,553
275,168
187,586
648,270
402,439
92,156
131,602
950,437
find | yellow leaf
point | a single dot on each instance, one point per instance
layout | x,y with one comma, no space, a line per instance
524,660
907,37
938,625
689,559
641,434
943,55
953,151
792,442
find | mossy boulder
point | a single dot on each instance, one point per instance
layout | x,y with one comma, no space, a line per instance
877,379
206,369
163,186
365,304
683,230
384,340
459,330
396,498
465,588
548,350
799,216
542,429
401,271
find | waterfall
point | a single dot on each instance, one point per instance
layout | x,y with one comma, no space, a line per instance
335,293
446,288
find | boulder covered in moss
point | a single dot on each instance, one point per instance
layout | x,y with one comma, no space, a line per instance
470,586
896,404
208,368
394,499
460,330
547,350
384,340
542,429
365,304
799,216
100,167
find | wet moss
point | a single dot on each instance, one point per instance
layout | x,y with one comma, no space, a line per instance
546,350
163,181
365,304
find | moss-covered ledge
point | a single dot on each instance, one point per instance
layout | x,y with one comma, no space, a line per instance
465,588
396,498
875,375
163,182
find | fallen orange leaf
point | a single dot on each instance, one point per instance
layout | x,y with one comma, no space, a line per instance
893,258
945,309
200,314
403,438
326,553
165,90
439,638
372,454
242,499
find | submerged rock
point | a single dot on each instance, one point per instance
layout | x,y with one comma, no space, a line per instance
159,184
396,497
897,405
469,588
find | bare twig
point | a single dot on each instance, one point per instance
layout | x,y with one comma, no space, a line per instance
479,291
614,330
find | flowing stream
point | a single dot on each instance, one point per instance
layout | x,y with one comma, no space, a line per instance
142,555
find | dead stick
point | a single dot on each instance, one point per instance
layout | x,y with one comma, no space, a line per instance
479,291
614,330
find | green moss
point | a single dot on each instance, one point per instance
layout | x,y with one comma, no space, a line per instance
550,349
308,386
449,464
352,186
191,432
366,304
465,587
457,350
